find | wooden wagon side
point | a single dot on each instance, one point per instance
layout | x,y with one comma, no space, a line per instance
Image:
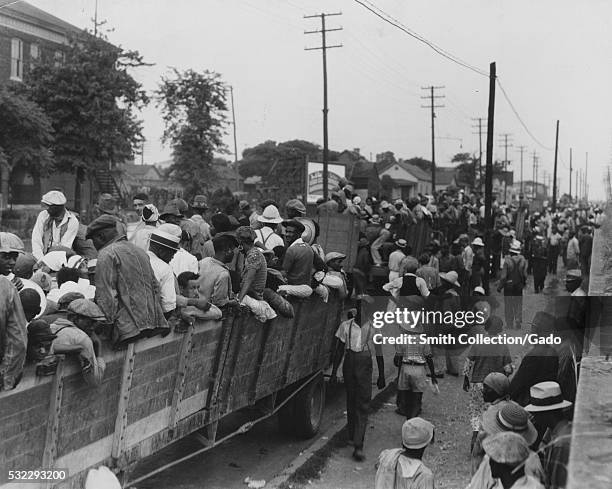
160,390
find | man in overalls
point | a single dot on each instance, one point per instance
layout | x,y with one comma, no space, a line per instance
354,343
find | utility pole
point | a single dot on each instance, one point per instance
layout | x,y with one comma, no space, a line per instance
535,175
586,173
506,145
96,19
570,180
554,194
235,143
521,149
324,47
432,106
479,119
489,175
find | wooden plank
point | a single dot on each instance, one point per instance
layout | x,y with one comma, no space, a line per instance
55,406
124,400
179,385
260,358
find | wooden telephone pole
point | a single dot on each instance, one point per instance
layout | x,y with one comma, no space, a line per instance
432,106
324,47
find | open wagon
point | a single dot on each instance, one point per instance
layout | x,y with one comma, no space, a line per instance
162,389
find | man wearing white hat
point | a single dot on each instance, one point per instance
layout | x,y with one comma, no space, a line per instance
548,409
163,245
55,226
266,236
400,468
512,281
396,257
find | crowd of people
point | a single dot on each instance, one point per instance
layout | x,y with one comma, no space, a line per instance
83,289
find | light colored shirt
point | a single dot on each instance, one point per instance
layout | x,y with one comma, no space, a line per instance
202,225
268,238
165,277
70,336
395,285
396,471
467,255
554,239
183,261
573,249
215,281
141,237
355,338
395,259
56,238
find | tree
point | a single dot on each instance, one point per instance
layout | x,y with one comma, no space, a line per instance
194,110
25,137
422,163
385,158
466,169
387,185
92,102
259,159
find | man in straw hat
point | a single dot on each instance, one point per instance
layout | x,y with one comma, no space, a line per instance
266,236
163,245
126,288
395,258
401,468
508,453
500,418
512,281
548,407
55,225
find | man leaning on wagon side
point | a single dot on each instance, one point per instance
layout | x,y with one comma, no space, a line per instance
126,288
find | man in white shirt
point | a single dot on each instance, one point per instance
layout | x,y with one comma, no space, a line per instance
266,236
163,245
395,258
55,225
573,252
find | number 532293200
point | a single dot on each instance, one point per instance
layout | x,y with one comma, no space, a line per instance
25,476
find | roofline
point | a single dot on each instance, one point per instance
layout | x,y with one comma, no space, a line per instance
61,27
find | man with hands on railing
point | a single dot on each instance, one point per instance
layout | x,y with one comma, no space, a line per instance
354,342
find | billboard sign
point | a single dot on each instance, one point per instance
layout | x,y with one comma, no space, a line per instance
314,179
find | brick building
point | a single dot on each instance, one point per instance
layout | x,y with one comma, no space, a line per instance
28,34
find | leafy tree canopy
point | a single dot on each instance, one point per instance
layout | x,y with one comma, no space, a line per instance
194,110
92,101
422,163
25,133
259,159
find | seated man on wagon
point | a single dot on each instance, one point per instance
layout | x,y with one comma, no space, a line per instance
77,334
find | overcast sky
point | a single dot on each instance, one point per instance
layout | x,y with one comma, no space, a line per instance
553,59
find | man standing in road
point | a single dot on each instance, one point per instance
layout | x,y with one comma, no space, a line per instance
513,278
354,343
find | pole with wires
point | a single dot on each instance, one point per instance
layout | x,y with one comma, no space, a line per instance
324,47
432,106
235,143
554,194
489,177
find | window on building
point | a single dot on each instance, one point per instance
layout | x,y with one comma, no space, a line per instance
59,58
34,51
16,59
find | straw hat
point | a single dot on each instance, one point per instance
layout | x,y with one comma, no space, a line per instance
546,396
506,448
451,277
515,246
477,242
270,215
509,417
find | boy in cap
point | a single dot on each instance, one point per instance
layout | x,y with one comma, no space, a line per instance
77,334
507,454
403,468
55,226
547,406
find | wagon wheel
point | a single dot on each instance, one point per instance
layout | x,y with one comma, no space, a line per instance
302,415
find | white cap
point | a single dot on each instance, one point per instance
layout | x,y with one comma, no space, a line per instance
54,197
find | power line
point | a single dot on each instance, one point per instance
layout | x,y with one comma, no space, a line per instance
394,22
9,4
519,117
